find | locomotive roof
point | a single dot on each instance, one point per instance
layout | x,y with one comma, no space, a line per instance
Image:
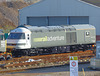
84,27
57,28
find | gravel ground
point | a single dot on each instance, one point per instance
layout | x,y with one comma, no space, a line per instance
92,73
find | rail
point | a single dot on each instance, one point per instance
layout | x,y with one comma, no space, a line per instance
28,62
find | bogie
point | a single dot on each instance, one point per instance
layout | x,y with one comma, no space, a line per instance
51,50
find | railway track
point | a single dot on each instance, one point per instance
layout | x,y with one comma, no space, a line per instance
28,62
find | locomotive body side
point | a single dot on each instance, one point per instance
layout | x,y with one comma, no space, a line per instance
76,35
85,34
48,39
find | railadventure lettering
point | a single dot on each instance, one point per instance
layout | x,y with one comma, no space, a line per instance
52,38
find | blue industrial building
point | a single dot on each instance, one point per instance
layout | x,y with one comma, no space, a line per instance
60,12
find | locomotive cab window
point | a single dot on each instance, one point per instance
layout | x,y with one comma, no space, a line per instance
16,36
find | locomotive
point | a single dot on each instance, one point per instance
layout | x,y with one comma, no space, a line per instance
2,41
3,54
33,40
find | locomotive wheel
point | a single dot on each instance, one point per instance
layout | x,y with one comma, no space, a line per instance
25,52
8,57
2,58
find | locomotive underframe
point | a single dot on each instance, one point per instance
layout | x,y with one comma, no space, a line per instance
51,50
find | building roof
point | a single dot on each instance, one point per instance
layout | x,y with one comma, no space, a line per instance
91,4
60,8
57,28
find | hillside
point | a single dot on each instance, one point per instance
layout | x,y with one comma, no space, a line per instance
9,12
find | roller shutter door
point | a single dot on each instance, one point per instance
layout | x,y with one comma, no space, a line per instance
57,21
79,20
47,21
37,21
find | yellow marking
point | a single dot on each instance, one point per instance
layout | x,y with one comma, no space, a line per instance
10,47
40,39
73,58
83,71
5,44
